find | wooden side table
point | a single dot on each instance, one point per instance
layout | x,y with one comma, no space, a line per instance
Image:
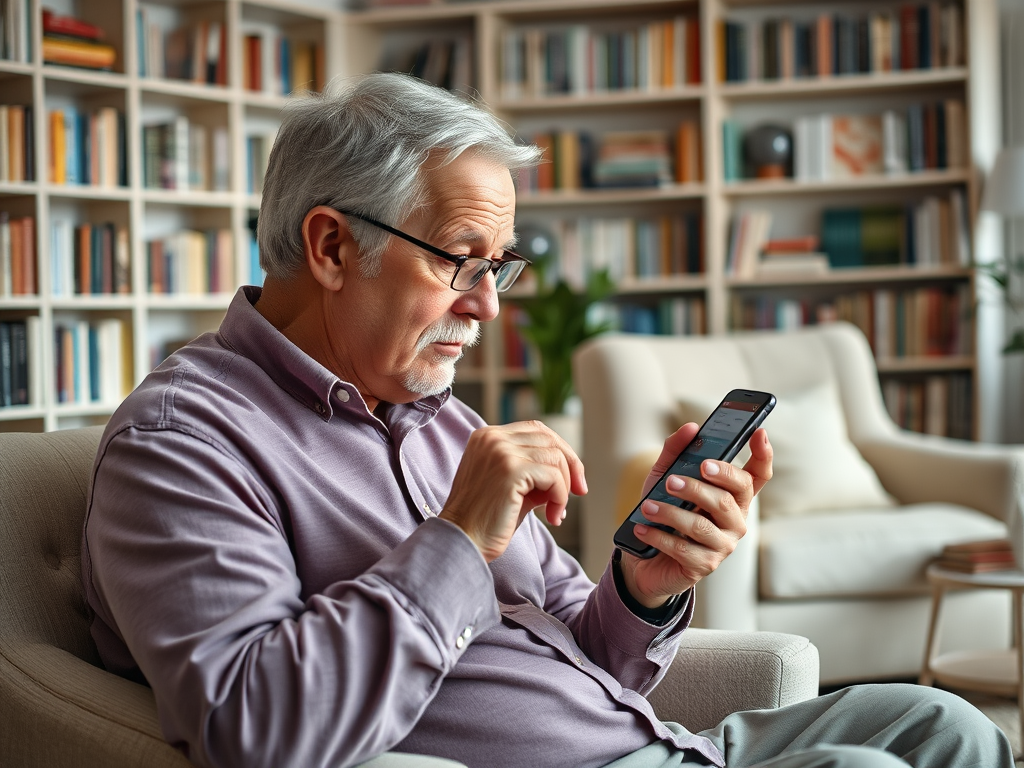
997,671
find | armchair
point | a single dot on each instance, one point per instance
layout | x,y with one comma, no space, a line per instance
58,707
837,547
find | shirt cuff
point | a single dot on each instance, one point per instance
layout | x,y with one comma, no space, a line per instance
659,616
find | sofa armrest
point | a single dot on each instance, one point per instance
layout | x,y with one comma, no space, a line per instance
56,709
716,673
920,468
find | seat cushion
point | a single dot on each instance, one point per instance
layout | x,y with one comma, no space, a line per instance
863,552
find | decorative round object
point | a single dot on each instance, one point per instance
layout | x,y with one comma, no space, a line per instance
535,242
769,150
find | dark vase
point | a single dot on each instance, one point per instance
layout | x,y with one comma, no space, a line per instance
769,151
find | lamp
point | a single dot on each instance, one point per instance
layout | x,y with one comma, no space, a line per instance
1004,191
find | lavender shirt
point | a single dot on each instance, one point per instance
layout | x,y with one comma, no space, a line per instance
264,552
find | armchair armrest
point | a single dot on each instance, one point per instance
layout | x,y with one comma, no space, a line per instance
920,468
716,673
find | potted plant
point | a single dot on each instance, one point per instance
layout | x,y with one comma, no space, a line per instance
558,319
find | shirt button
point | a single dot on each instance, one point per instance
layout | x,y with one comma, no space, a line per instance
459,642
343,395
467,632
579,661
320,408
426,508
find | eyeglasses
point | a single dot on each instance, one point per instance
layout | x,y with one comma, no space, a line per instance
468,270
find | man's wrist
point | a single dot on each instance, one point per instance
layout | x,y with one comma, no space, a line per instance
658,616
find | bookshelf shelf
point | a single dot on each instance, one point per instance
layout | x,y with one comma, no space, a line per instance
855,276
874,182
933,363
20,412
610,196
603,100
55,73
844,84
93,303
200,91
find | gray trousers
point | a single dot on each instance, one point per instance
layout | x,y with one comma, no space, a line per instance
864,726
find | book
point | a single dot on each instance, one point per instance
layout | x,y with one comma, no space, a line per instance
69,26
78,53
856,145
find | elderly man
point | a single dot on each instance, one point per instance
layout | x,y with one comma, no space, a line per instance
314,554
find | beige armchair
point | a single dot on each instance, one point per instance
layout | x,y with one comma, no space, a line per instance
58,707
837,547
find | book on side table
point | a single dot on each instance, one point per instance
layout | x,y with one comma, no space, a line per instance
977,556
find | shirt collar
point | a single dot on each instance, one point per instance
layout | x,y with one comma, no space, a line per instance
250,334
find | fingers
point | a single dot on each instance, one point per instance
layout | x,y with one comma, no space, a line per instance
759,466
674,445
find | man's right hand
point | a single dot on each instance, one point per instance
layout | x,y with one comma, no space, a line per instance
505,472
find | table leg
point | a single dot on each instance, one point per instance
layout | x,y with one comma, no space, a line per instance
1018,633
930,650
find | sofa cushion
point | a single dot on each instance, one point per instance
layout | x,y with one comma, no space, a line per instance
863,552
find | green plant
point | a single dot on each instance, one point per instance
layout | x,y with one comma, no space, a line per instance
1002,273
559,320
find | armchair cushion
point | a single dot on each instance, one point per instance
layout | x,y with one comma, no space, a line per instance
861,552
816,466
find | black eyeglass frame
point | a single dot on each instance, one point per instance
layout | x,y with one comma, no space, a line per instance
507,257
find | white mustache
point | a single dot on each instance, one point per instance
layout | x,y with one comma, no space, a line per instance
450,329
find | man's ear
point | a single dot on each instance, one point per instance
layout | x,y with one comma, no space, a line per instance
329,247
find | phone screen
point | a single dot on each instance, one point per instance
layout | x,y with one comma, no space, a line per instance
720,437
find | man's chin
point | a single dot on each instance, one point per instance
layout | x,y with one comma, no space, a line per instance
432,379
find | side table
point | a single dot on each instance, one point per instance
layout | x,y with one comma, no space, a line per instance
996,671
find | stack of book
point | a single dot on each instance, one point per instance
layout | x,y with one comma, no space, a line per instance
633,159
196,52
20,373
977,556
88,147
792,255
75,43
17,255
17,143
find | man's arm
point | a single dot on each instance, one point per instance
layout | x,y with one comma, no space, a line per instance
196,574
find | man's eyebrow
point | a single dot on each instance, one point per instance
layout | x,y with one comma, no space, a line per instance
474,237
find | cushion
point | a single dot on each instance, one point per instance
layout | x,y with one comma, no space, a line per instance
816,467
860,552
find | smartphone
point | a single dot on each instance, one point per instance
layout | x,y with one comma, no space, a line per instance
721,437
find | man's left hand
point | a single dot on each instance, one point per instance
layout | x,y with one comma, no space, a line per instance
704,536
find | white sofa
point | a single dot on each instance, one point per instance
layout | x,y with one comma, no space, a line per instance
838,551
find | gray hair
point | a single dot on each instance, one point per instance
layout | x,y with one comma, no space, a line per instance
361,147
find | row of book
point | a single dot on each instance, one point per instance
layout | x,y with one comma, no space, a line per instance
183,154
90,361
941,404
20,380
445,62
277,65
640,158
921,36
192,262
89,259
257,157
914,322
676,316
924,137
15,37
88,147
17,143
629,248
933,232
76,43
18,274
580,59
196,52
